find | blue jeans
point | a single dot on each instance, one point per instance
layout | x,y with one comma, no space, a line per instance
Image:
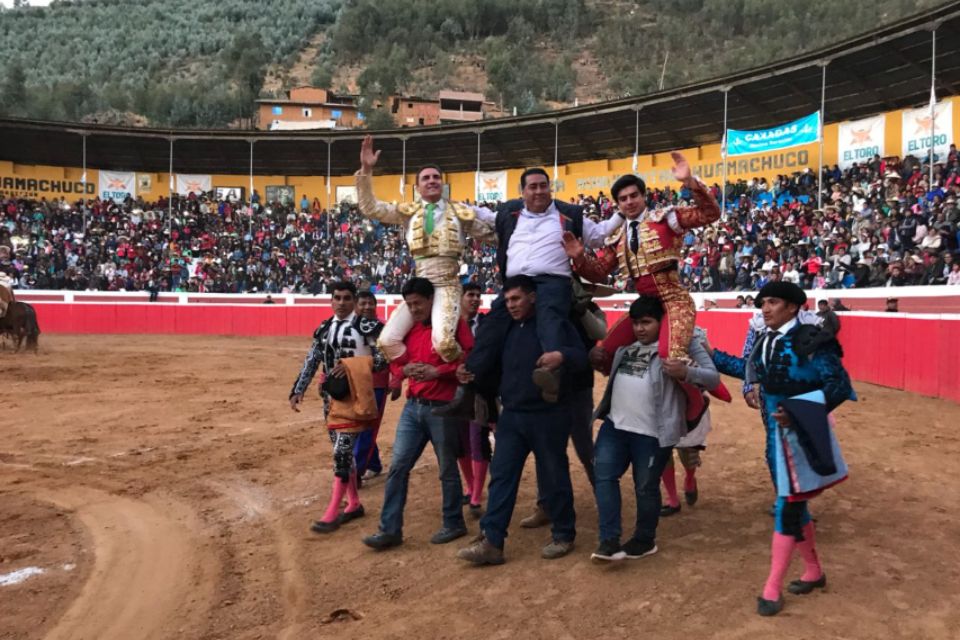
418,426
545,434
366,452
615,451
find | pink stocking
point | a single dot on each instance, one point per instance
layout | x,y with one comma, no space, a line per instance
670,484
690,480
479,477
333,507
812,570
781,549
353,496
466,468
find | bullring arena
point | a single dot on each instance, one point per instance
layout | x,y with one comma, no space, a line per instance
155,483
164,488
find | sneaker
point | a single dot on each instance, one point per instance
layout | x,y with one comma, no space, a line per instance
608,551
634,549
481,552
537,519
370,474
382,540
448,534
556,549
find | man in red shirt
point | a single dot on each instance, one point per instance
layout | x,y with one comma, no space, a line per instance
431,383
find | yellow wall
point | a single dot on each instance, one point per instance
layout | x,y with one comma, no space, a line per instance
573,179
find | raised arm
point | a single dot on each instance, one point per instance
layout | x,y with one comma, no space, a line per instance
370,207
706,211
593,268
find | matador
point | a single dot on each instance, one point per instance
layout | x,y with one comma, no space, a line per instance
647,249
436,232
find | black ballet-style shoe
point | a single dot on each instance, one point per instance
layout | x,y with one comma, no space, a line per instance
769,607
801,587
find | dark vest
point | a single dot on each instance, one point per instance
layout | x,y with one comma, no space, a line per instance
507,213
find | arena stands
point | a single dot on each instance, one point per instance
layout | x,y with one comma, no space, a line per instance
881,225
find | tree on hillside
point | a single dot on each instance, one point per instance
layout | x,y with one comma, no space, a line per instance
13,94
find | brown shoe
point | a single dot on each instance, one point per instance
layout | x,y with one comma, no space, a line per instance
537,519
556,549
481,552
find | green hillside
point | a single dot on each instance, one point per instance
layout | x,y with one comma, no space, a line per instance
196,63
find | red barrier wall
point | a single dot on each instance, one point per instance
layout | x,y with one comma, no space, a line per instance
918,354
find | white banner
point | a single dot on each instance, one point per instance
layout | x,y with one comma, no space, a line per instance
859,140
193,183
917,127
491,186
118,185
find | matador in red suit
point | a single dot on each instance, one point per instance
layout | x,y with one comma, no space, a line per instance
647,249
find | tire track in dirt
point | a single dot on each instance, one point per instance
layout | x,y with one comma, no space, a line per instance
293,589
152,575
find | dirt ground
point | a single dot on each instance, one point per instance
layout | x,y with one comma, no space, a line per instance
165,488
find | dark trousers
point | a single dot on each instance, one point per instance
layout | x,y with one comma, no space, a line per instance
581,434
545,434
554,299
615,451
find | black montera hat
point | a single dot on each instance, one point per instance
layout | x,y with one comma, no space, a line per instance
783,290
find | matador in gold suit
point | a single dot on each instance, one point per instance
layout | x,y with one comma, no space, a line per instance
436,231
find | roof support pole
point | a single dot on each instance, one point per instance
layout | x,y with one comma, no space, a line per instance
636,141
170,197
250,194
403,171
476,181
556,151
933,102
723,154
329,152
83,179
823,106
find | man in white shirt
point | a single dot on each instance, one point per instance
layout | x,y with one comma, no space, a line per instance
530,243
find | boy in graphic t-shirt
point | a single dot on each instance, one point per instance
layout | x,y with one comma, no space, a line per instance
644,416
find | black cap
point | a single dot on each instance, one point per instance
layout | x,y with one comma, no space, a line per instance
783,290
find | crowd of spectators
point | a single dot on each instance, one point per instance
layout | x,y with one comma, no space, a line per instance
206,246
882,224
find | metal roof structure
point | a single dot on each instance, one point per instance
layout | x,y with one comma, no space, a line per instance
883,70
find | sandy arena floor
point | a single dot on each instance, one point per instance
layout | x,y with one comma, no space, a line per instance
165,488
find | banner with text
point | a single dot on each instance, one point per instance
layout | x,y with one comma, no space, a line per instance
193,183
860,140
802,131
920,131
118,185
491,186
